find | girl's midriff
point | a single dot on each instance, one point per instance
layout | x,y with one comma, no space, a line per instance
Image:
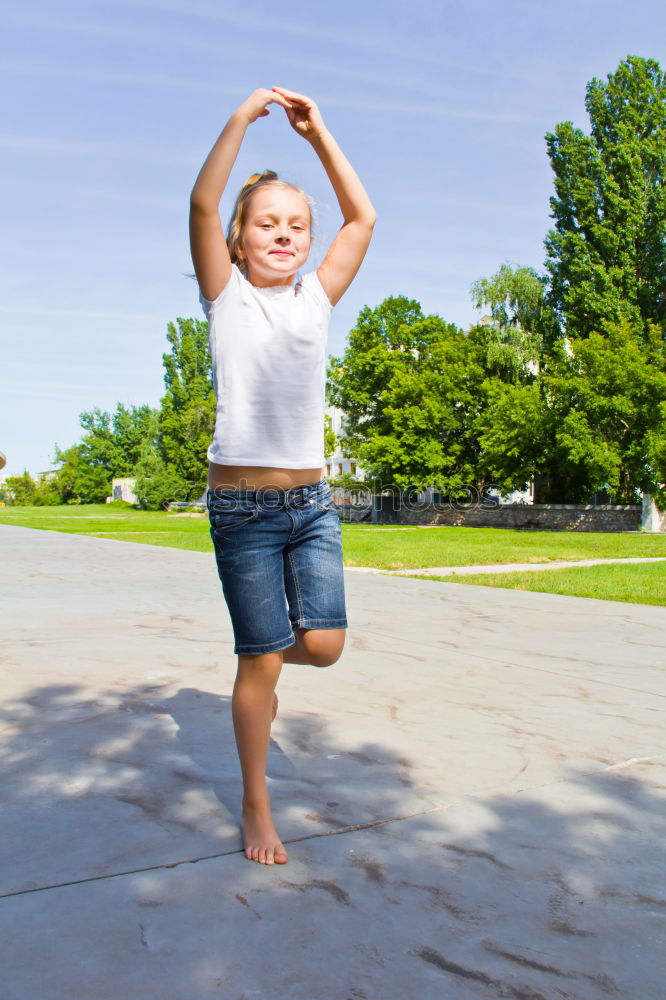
248,477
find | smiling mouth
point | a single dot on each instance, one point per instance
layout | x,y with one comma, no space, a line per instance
282,253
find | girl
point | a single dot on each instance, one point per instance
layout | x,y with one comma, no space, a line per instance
274,528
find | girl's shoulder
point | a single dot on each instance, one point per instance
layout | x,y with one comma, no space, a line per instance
233,286
311,284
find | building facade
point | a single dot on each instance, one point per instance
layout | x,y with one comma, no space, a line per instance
339,464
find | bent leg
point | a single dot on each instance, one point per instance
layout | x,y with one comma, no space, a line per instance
252,709
315,589
319,647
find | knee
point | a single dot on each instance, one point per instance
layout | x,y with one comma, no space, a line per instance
324,648
259,668
324,658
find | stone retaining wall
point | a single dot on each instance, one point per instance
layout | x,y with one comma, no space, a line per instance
569,517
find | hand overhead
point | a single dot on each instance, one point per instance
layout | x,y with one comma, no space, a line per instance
256,105
303,114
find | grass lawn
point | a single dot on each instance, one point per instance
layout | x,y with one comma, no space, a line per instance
637,584
381,547
411,547
403,547
119,522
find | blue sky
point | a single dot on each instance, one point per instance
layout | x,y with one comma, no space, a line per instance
111,107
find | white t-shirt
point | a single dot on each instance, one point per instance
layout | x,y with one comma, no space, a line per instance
268,351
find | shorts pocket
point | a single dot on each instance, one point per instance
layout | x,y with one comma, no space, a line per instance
222,521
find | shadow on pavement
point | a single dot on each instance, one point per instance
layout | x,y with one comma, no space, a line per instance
550,893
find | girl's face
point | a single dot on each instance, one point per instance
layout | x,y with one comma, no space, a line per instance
275,241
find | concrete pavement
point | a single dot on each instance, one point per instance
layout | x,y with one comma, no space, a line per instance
473,798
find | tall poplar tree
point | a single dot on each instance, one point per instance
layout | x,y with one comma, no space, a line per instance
607,252
187,415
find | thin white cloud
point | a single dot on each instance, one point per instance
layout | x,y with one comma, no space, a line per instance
105,76
476,205
260,22
422,110
52,145
224,48
370,40
158,37
27,388
124,196
80,313
417,109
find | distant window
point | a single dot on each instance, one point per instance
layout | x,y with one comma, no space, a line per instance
352,468
328,468
339,468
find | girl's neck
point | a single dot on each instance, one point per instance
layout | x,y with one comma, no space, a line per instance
279,281
273,284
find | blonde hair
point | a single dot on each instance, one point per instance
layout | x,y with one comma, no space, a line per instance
239,214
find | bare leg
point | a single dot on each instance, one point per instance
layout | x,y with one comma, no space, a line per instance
318,647
253,706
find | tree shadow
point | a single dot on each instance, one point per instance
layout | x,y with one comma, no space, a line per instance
552,892
140,777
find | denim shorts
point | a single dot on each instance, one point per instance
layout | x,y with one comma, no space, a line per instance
279,556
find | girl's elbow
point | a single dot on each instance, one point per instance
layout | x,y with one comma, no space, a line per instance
195,204
368,219
201,204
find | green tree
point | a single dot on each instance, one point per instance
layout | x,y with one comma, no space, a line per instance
606,254
330,437
135,430
520,322
48,493
21,490
24,491
411,387
596,419
374,349
615,384
158,485
164,450
95,458
111,447
82,475
115,441
187,415
513,434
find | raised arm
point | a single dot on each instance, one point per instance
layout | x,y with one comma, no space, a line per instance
347,250
210,256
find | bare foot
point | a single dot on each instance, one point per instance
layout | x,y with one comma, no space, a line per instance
260,837
275,706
